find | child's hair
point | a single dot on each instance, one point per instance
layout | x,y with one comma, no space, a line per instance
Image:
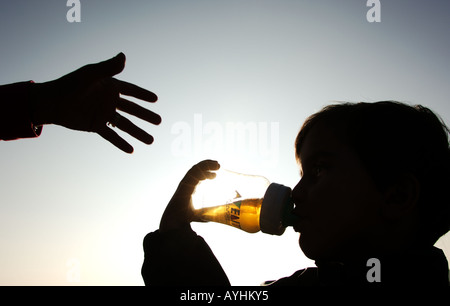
392,139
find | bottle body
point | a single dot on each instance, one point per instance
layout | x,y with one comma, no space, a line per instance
247,202
240,213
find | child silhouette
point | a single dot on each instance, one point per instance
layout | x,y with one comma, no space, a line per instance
373,189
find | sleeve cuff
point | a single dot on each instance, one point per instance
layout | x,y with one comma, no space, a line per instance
15,117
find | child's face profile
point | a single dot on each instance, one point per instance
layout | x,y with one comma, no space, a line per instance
336,199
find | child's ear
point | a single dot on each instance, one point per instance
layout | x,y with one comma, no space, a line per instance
401,197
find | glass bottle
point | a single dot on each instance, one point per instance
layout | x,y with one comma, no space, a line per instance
248,202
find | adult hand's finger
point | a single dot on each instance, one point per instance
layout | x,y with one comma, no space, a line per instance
130,89
115,139
138,111
127,126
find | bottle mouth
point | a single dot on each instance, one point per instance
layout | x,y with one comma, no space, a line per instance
276,210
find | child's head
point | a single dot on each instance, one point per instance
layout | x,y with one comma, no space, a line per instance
375,178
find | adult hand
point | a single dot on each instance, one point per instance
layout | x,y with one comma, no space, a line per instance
180,212
87,100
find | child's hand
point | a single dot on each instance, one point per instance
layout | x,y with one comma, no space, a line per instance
179,211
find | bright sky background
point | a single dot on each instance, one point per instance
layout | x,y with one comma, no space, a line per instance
71,202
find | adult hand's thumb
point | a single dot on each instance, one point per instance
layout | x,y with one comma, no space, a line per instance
104,69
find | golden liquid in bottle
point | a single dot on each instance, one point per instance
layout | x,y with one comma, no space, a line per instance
242,214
